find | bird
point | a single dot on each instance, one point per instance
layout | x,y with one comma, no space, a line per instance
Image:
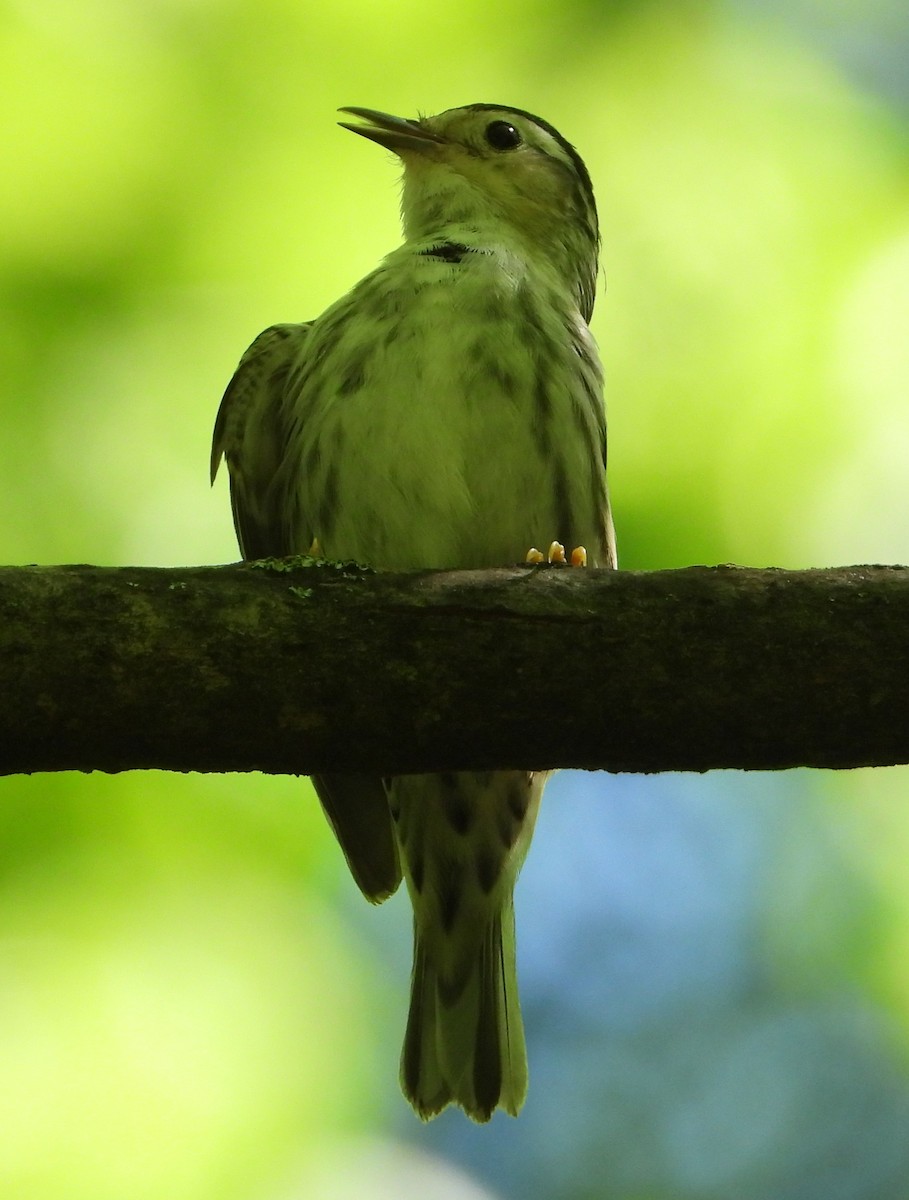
447,412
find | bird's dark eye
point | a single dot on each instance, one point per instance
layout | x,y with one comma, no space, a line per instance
502,135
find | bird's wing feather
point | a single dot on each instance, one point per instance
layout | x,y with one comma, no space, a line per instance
357,809
251,433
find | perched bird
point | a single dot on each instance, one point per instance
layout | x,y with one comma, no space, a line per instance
447,412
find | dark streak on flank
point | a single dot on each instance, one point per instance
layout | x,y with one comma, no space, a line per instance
328,500
488,869
417,867
489,369
298,378
541,400
508,827
354,375
328,340
505,379
365,294
487,366
518,799
529,315
449,899
312,459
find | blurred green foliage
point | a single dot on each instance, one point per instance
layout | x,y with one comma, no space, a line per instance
183,1012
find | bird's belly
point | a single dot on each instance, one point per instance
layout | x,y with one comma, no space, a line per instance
448,455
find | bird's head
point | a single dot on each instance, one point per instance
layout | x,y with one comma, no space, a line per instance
501,174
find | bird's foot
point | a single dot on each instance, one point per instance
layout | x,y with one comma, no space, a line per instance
556,556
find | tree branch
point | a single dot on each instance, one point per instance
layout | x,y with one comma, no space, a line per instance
264,667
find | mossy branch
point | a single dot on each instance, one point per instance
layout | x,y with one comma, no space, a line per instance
286,668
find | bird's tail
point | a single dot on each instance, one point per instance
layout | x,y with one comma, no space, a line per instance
465,1038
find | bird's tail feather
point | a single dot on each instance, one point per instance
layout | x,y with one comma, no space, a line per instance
465,1038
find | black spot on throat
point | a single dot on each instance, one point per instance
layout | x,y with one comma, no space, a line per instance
452,252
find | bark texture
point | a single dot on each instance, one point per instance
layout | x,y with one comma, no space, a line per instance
296,668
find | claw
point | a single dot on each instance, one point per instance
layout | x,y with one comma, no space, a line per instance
557,557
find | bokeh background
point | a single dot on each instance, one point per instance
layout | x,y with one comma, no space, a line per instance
194,1002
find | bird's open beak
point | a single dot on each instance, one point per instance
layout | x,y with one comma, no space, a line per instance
395,133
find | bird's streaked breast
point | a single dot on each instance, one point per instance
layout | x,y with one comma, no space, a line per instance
476,403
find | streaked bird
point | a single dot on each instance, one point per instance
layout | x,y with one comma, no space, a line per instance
447,412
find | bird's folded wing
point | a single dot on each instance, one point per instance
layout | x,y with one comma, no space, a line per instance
251,434
357,809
